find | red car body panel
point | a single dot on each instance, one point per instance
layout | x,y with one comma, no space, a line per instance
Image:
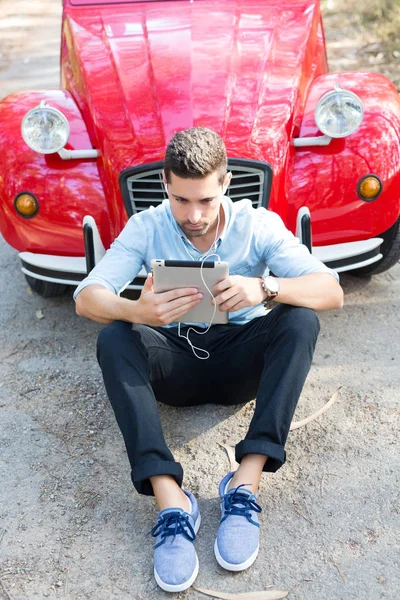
325,178
134,73
165,70
66,190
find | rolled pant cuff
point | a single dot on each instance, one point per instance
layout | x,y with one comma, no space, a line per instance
276,453
141,474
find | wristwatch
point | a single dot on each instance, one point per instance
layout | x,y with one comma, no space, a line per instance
271,287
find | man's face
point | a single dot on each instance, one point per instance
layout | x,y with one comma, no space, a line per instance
195,203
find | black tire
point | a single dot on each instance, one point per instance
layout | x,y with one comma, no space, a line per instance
46,289
390,249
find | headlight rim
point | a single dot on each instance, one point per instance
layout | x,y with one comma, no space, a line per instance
337,89
45,106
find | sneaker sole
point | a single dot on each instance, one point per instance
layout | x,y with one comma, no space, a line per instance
168,587
234,567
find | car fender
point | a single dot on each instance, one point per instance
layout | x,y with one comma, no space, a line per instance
325,178
66,190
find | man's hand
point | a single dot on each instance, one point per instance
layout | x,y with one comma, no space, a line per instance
163,308
319,291
102,305
236,292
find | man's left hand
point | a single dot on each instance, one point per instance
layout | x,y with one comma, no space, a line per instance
236,292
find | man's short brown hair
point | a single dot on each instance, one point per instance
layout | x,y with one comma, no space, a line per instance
194,154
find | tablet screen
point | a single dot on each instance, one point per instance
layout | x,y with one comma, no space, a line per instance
172,274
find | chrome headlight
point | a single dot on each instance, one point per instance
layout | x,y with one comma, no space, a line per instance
45,129
339,113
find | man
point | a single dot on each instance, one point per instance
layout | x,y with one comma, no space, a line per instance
257,354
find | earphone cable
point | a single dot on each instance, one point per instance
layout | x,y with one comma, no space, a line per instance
191,328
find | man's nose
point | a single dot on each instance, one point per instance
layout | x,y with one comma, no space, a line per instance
194,215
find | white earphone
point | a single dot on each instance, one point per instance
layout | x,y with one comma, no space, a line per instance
191,328
207,255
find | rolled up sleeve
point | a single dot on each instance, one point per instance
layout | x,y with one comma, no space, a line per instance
122,262
283,253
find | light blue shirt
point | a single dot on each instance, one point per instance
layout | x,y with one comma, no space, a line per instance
252,241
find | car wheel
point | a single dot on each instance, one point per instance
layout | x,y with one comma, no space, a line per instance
46,289
390,249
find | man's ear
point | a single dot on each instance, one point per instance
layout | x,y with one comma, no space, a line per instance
164,181
227,180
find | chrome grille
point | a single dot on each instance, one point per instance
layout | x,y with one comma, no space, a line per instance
142,187
246,182
146,189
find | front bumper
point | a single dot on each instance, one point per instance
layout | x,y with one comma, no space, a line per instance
63,269
349,256
71,270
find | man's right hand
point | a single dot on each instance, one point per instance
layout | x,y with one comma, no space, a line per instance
163,308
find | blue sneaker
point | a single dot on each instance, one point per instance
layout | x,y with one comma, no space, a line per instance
237,543
175,560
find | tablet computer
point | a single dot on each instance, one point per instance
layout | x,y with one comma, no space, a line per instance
172,274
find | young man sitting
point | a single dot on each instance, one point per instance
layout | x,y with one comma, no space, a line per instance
262,355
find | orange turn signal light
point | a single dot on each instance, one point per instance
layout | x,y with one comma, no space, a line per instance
26,204
369,187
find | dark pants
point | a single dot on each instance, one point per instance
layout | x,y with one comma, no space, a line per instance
267,359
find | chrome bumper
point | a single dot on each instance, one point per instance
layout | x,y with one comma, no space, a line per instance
71,270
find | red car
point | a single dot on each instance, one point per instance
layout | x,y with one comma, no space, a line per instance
322,150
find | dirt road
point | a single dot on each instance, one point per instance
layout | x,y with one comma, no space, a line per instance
71,526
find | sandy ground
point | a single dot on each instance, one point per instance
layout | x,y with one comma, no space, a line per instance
71,526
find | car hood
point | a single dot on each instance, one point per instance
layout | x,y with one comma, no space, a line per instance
140,72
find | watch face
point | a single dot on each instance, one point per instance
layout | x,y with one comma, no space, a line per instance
272,284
